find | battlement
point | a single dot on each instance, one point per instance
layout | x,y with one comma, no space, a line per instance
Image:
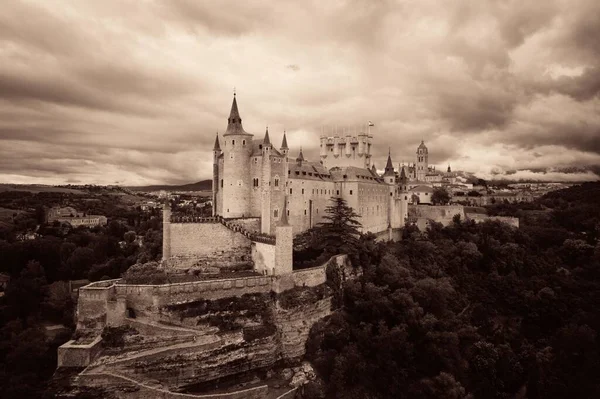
344,139
193,219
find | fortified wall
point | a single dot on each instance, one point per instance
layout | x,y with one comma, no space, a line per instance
203,242
421,215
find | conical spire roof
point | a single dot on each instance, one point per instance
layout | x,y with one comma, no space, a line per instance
284,145
283,221
300,156
234,122
217,146
389,168
402,175
267,141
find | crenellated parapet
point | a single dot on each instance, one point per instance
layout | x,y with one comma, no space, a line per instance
194,219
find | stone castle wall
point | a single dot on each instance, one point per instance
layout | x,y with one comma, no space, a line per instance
309,277
423,214
146,298
206,244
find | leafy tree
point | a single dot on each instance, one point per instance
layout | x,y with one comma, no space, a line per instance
440,196
339,233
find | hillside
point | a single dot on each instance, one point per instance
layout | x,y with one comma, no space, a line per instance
204,185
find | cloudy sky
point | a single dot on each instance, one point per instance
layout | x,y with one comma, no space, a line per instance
133,91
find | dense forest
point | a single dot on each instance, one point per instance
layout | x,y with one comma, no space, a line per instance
471,310
38,293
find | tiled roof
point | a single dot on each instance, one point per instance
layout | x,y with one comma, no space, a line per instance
308,171
421,189
257,146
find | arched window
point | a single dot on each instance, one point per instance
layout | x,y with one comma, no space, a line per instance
232,142
276,213
276,180
243,142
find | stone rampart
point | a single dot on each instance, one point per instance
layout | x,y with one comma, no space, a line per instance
423,214
143,391
73,354
206,244
314,276
92,304
147,298
310,277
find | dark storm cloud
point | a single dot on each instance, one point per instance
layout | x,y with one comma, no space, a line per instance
581,88
123,91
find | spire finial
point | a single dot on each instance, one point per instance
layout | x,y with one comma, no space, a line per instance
284,144
234,91
267,141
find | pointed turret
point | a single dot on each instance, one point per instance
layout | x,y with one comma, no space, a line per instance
217,146
449,170
284,144
402,175
373,169
267,141
283,221
300,158
389,168
234,122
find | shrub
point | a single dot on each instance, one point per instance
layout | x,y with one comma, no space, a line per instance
298,296
113,337
147,273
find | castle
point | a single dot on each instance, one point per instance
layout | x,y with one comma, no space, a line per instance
269,197
246,307
251,179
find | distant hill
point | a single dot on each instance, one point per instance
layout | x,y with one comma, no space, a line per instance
204,185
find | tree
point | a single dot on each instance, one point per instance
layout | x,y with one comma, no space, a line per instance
339,232
440,196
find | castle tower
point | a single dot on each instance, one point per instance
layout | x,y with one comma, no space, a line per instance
389,177
422,161
346,150
284,146
166,253
215,183
403,197
236,171
300,158
265,205
283,244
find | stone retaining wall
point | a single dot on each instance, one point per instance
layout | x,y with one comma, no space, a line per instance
72,354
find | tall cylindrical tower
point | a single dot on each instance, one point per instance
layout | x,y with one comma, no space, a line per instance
237,149
166,253
422,161
215,182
